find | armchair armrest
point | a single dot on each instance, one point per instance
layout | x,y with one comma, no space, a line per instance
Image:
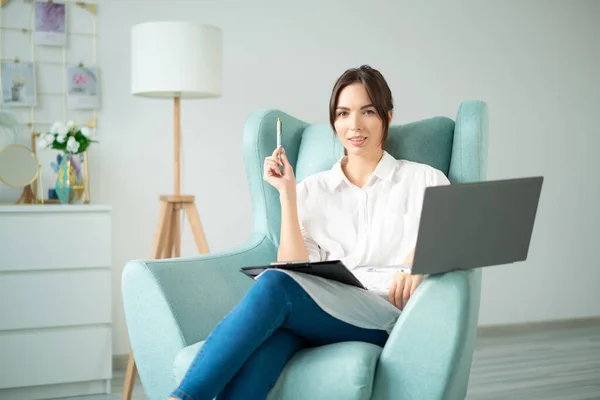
172,303
429,352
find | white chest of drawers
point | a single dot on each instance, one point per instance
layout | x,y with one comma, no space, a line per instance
55,301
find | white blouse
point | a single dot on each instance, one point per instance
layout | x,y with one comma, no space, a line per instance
369,227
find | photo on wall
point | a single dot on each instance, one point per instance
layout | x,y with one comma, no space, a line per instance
82,88
18,84
50,23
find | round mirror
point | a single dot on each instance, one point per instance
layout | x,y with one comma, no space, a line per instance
19,167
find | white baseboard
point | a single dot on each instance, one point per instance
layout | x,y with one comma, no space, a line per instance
57,391
531,327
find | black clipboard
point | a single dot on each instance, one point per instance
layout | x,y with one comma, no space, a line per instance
333,269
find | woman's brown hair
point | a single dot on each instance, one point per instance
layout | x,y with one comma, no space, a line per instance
377,88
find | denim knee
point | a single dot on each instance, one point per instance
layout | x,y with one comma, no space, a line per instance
275,283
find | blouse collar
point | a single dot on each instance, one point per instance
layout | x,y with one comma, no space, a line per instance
385,171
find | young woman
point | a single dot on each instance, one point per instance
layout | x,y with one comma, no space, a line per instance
365,212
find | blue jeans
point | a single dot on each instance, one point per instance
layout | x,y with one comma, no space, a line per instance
246,352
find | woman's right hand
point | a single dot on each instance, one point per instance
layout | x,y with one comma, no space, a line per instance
282,180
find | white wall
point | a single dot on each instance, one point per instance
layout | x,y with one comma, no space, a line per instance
535,63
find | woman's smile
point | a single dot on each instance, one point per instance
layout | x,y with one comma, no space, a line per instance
357,141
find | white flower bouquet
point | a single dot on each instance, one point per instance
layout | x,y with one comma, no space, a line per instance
68,137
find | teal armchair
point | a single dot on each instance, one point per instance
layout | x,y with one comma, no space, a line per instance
171,305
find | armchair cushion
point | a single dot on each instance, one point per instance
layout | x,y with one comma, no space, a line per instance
337,371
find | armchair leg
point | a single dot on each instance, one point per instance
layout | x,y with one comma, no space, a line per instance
129,378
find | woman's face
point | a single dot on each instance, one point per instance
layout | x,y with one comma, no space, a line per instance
357,125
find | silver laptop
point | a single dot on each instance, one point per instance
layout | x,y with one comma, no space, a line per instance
472,225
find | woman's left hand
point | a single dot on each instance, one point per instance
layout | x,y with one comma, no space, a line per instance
402,288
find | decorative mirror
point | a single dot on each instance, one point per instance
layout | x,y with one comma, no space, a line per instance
19,167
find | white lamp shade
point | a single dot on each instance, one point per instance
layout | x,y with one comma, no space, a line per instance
171,59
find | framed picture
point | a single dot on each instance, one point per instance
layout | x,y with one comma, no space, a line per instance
18,84
82,88
50,23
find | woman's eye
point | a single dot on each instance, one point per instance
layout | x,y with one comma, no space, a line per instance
341,113
370,112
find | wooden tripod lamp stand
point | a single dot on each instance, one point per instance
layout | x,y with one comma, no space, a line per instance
174,60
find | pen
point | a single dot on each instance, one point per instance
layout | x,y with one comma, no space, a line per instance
279,139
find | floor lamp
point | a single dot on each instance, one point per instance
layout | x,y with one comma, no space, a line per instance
174,60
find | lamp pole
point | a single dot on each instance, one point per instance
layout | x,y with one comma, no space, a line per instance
177,149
